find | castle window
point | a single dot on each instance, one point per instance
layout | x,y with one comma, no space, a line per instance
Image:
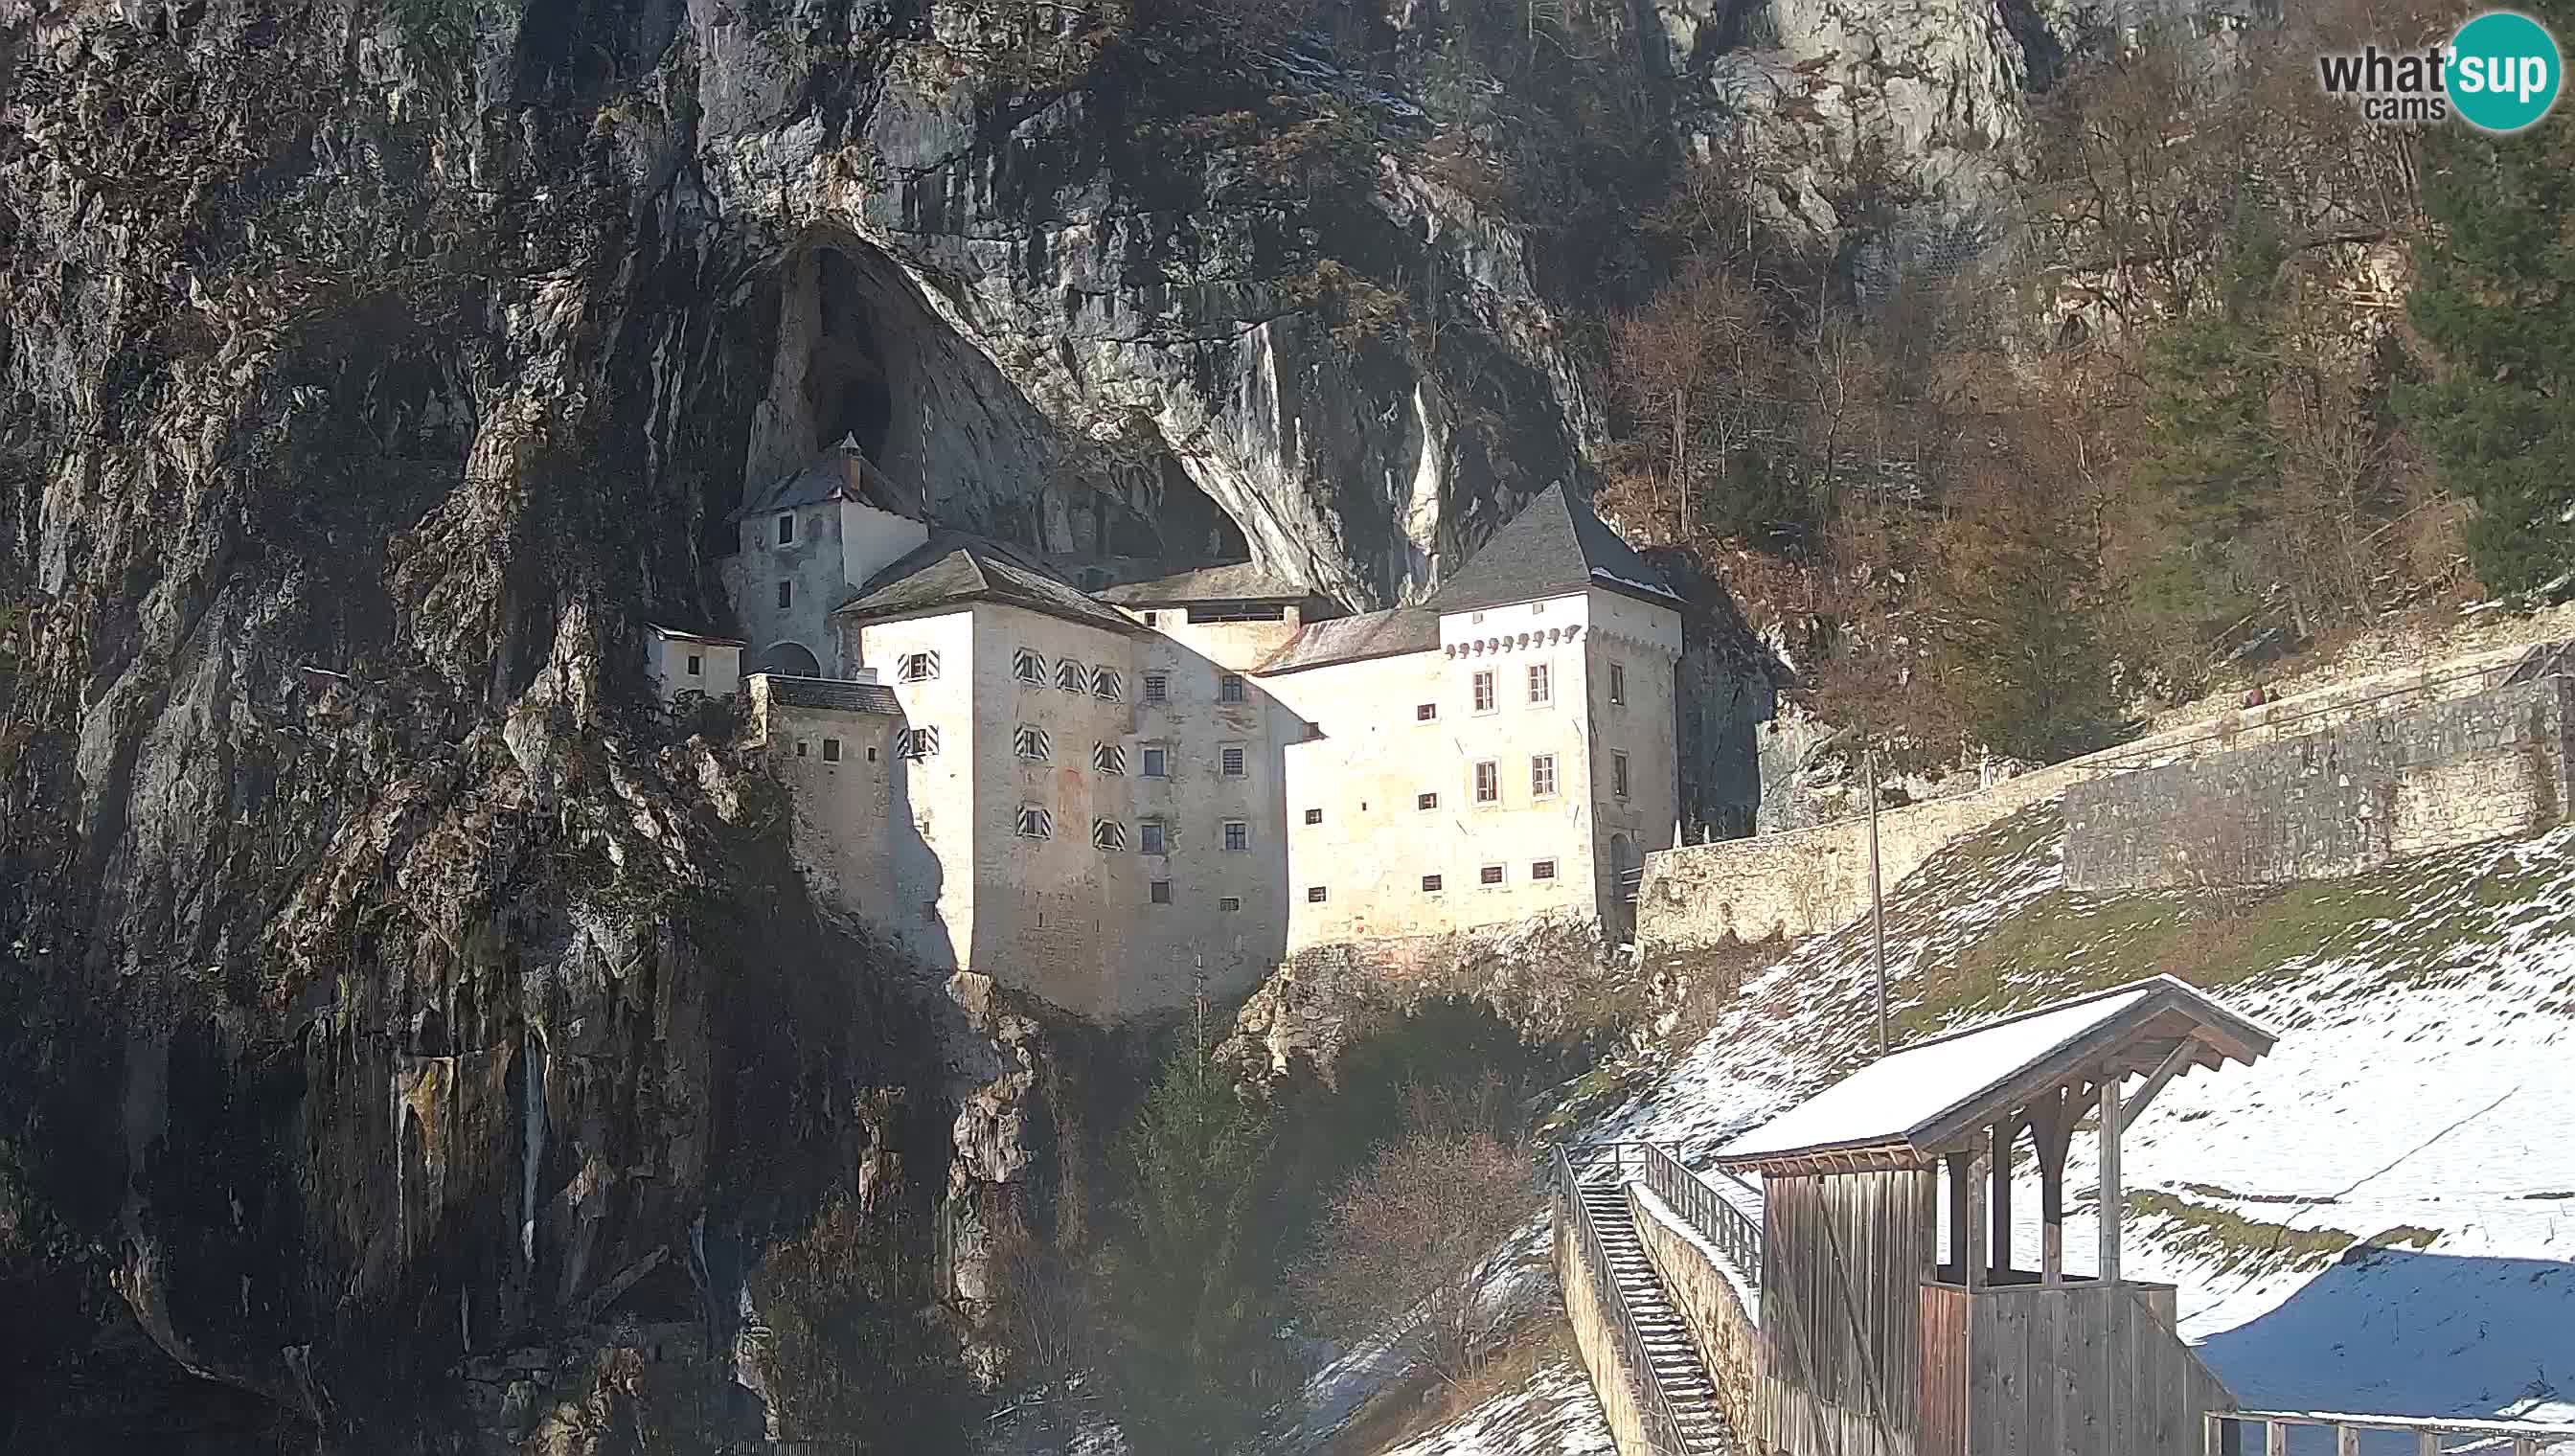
1229,903
800,747
830,750
696,665
1032,742
1153,619
1543,776
1229,688
1161,892
1028,666
1484,692
1108,685
1426,800
1618,775
786,595
917,666
1424,712
1237,835
1070,676
1035,823
1488,783
1314,816
1542,869
1158,762
919,742
1542,690
1231,758
1109,759
1107,834
1313,894
1490,875
1618,682
1152,838
787,530
1431,884
1158,688
872,753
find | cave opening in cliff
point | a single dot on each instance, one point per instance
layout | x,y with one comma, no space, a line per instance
844,377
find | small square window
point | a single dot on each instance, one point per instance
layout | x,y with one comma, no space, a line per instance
919,742
1070,676
872,753
1158,686
1237,835
1541,687
830,750
800,747
1488,783
1431,884
1484,692
1161,892
1109,759
1618,775
1229,688
1233,761
1028,666
1153,619
1314,816
786,593
1108,685
1426,800
917,666
1543,776
1424,712
1313,894
1229,903
1033,744
1152,838
1035,823
1617,682
785,531
1107,834
1490,875
696,665
1542,869
1158,762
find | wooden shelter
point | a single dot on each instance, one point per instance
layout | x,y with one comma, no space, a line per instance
1873,1339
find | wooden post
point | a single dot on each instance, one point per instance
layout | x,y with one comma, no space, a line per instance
2049,1131
1958,1214
2003,1133
2346,1441
2112,1206
1974,1225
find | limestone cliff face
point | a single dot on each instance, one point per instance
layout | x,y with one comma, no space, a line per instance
403,1029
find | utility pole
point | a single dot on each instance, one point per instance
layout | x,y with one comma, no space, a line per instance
1197,1002
1877,899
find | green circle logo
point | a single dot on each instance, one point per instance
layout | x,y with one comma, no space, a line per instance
2502,71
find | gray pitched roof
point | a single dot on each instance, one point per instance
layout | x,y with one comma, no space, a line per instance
1237,582
1356,639
954,568
1554,547
833,693
843,470
691,635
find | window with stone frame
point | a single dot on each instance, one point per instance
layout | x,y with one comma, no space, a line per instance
1618,684
1158,688
1229,688
1542,686
1229,903
1035,823
1157,760
1161,892
1488,783
1029,667
1426,800
1072,677
1618,775
1490,875
696,665
1313,894
919,742
1238,834
917,666
1109,759
1033,743
1153,837
1542,775
1424,712
830,750
1431,884
1230,759
1108,685
1542,869
1484,688
786,529
1107,834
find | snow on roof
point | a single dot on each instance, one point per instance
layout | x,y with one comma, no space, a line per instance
1898,1099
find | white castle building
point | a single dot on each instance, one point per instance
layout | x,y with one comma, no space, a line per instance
1099,795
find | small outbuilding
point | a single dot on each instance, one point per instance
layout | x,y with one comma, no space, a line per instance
1877,1340
692,661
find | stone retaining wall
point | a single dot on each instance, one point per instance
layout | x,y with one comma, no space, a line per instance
1712,1305
1595,1335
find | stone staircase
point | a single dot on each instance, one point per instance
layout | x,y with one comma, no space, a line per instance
1677,1370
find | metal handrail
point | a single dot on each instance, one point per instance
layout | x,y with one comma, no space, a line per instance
1693,1197
2223,1428
1665,1432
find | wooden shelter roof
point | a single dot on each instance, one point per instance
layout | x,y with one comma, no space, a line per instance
1936,1097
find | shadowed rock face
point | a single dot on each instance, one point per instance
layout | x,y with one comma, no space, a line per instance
395,1013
